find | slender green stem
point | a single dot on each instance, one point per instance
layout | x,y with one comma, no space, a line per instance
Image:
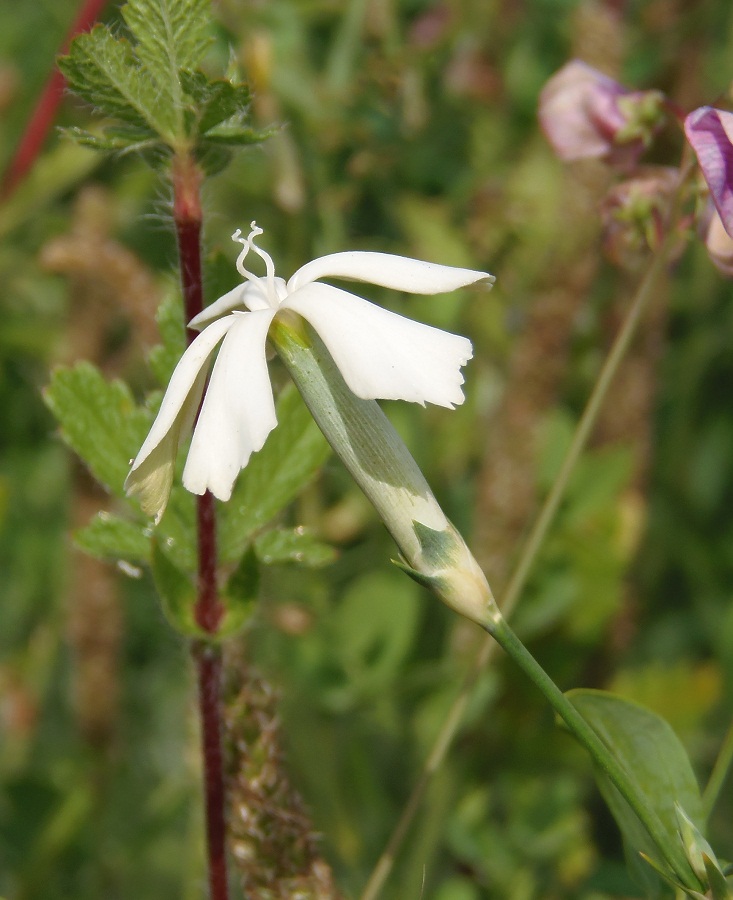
528,555
600,753
719,774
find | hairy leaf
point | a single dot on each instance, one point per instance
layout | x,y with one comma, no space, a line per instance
99,421
105,71
293,545
109,537
172,35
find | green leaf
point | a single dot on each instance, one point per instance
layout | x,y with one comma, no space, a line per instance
294,452
216,100
177,594
105,71
172,35
293,545
109,537
99,421
170,318
656,761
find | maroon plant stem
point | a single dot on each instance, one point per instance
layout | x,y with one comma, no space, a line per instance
208,611
44,113
208,665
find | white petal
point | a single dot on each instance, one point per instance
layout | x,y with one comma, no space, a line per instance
243,296
398,272
151,473
383,355
238,411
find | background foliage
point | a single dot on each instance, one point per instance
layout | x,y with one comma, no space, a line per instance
408,127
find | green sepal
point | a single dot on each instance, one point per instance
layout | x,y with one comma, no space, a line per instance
717,882
427,581
438,547
177,594
112,538
701,857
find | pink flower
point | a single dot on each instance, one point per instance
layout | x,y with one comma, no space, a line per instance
584,114
710,132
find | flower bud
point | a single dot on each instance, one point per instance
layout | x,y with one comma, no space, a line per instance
586,114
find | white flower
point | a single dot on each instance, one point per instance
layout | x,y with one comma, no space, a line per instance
380,354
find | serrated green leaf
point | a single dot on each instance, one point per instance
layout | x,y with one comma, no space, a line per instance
236,136
121,139
165,356
293,545
177,594
171,35
216,100
645,745
99,421
105,71
294,452
109,537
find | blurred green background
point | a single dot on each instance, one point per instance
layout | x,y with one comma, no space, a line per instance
408,127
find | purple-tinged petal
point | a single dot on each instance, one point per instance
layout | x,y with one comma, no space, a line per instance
578,111
710,132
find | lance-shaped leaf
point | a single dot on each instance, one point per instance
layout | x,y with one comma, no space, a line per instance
647,747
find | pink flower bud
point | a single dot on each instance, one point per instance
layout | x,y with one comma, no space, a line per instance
584,114
710,132
634,212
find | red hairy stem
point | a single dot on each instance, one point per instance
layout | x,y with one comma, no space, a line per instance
44,113
208,611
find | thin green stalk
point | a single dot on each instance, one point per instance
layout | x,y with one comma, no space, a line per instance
718,775
600,753
527,558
